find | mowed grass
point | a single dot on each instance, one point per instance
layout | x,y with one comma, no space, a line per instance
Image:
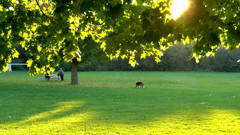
108,103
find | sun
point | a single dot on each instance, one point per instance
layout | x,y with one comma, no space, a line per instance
178,7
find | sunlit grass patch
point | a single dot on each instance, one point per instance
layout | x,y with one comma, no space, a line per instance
108,103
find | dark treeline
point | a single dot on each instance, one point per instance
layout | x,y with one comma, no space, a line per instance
176,58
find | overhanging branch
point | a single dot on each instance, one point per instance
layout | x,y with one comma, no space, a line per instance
41,9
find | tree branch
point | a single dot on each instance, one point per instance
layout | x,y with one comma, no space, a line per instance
41,9
14,25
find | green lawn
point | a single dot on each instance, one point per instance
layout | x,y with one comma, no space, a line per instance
108,103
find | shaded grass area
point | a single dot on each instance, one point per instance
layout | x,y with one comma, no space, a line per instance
109,103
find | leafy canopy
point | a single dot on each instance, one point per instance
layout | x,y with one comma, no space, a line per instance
51,29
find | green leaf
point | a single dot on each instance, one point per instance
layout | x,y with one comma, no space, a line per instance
210,3
29,63
132,62
15,54
143,55
157,59
139,2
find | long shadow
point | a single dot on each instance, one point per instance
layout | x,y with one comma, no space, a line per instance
110,102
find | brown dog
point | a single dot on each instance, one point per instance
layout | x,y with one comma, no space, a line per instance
139,85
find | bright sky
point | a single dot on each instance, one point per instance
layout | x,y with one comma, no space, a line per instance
178,6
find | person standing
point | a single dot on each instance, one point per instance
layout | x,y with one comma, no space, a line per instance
60,73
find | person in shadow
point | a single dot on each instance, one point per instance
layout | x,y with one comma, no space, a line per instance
47,77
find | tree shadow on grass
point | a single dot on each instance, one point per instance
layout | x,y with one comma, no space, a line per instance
127,105
118,102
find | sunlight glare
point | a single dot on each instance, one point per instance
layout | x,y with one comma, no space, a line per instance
178,7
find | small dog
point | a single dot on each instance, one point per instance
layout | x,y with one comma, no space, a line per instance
55,77
139,85
52,76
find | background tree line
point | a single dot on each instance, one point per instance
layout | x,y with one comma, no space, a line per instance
176,58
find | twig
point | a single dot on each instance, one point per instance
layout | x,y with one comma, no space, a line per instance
41,9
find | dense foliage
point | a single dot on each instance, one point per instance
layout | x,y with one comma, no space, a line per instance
50,29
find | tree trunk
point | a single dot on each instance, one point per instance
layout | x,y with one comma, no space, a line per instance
74,67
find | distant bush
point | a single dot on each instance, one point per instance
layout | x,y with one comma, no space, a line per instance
176,58
224,61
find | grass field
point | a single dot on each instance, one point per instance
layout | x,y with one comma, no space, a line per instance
108,103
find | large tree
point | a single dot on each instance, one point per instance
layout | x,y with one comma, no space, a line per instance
125,28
